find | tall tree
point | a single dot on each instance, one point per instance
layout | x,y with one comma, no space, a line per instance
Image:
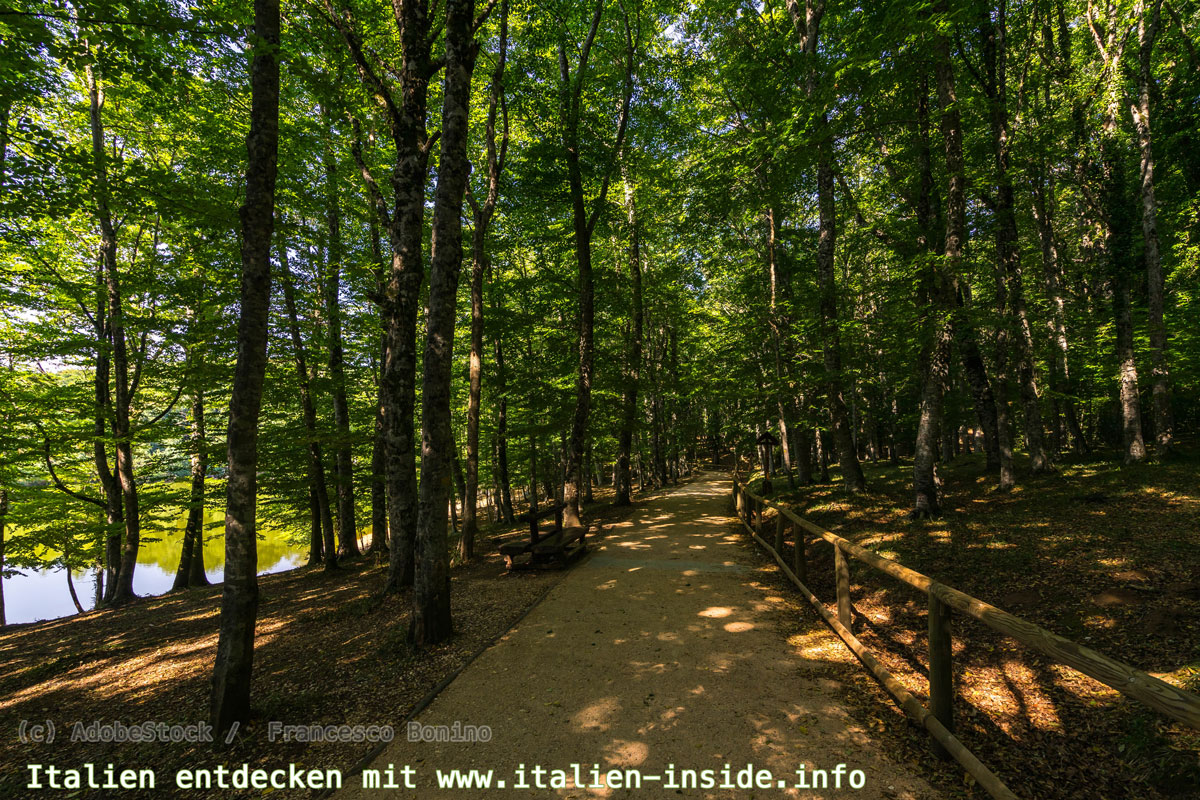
633,365
405,224
571,85
431,621
807,22
1010,291
125,478
1115,245
239,600
1148,24
323,548
482,218
347,530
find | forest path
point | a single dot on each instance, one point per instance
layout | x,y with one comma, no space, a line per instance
661,648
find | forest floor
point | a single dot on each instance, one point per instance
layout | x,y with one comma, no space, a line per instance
328,651
666,647
1103,554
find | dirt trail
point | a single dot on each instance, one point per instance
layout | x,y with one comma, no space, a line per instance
661,648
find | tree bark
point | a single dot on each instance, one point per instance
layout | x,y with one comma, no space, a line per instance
379,518
239,600
431,622
807,24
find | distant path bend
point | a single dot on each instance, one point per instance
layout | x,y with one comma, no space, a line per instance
661,648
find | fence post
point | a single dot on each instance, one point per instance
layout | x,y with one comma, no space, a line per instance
758,515
779,525
841,568
799,563
941,671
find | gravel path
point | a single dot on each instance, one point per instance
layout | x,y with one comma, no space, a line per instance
659,649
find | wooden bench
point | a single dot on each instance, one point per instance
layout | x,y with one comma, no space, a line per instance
555,545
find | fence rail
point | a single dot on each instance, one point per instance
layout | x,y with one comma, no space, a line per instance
938,719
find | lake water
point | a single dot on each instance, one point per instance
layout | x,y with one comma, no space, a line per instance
42,594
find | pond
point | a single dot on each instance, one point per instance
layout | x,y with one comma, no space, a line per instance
42,594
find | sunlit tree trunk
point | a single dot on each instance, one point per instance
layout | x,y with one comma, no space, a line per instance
1116,246
1148,25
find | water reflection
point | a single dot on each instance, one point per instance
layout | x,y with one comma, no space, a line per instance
42,594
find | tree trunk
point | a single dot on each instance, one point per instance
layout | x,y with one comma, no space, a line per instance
1060,372
587,475
431,622
193,532
123,591
379,520
316,545
1116,247
114,511
405,226
852,474
474,392
571,89
3,520
479,259
506,503
941,278
1148,25
316,459
583,383
1010,294
239,600
347,529
71,590
633,366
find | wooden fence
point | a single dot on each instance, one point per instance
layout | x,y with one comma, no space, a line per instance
938,719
